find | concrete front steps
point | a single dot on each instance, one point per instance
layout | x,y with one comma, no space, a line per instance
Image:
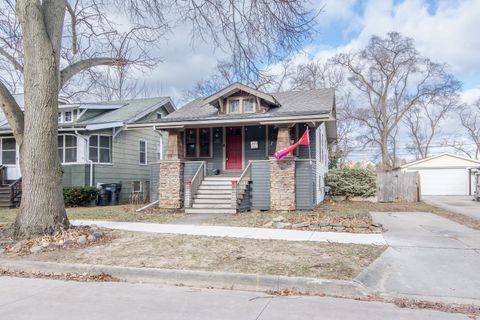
214,196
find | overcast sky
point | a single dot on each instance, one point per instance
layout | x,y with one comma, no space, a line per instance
444,30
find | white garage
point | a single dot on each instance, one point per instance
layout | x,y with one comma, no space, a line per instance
445,174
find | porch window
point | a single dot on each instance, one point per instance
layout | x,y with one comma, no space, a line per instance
9,151
67,148
248,105
142,152
100,149
191,143
198,143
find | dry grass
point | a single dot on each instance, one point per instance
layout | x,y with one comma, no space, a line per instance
288,258
125,213
352,212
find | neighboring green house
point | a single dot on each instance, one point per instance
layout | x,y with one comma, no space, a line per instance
95,146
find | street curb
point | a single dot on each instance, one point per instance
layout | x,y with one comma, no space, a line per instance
217,280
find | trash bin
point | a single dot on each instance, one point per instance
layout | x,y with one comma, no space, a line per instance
104,196
114,189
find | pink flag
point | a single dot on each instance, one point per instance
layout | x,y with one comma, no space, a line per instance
304,141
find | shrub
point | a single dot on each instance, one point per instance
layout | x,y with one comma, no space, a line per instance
79,195
352,182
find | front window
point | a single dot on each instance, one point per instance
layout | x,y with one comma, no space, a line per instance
248,105
234,106
100,149
9,151
67,148
142,152
198,143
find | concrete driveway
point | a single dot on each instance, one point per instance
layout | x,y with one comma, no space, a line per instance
428,256
459,204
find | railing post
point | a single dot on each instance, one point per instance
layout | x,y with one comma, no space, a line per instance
234,199
188,194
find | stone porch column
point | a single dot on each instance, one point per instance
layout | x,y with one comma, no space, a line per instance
282,175
171,187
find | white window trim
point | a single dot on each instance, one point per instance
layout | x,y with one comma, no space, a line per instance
1,152
157,114
241,108
63,148
146,152
98,148
141,186
62,116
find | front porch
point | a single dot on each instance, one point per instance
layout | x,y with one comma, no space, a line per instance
231,168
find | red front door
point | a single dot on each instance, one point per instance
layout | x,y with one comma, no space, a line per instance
233,141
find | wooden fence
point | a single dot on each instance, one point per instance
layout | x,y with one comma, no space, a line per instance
397,186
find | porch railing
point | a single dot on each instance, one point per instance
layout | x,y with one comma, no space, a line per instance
191,186
239,186
3,174
16,191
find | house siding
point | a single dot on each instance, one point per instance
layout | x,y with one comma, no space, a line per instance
125,156
304,184
76,175
260,193
254,133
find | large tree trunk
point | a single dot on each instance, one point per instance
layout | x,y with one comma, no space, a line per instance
42,209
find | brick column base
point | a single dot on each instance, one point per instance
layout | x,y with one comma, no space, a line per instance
282,184
171,184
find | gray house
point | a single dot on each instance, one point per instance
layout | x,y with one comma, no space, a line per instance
220,148
95,146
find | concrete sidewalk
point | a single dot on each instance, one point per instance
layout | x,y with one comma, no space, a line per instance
240,232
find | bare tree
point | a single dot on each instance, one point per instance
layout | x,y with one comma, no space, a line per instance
423,123
389,78
470,121
51,41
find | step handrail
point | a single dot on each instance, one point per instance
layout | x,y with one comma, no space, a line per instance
15,190
191,186
239,186
3,171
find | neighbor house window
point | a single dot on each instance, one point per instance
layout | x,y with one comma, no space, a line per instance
60,117
100,149
159,152
142,152
198,143
248,105
9,151
136,186
234,106
159,115
67,148
67,116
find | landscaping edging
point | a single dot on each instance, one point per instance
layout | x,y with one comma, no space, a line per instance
217,280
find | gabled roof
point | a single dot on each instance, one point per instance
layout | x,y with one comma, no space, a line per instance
413,163
240,87
293,103
117,113
131,110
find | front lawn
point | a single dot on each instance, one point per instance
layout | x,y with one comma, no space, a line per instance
110,213
273,257
355,215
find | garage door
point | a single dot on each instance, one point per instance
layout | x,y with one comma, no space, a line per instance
444,181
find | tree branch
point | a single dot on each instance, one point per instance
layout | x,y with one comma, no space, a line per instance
12,112
17,65
73,69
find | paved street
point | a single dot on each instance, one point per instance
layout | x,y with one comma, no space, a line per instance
459,204
36,299
428,255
